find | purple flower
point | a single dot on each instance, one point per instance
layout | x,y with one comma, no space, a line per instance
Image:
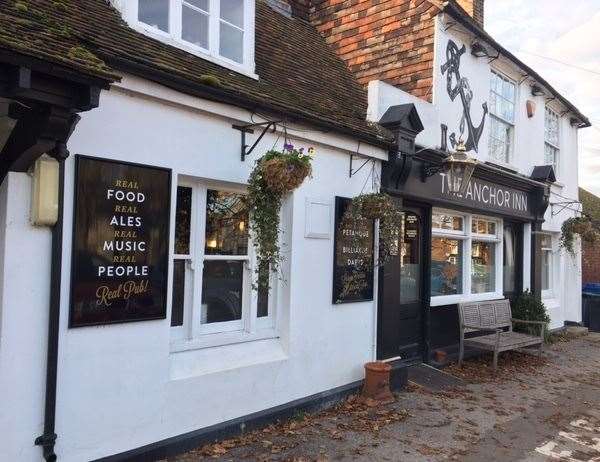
288,146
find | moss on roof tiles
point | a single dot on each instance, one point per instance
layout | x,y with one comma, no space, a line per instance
298,72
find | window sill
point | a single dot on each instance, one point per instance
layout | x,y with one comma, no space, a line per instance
221,339
193,364
196,51
455,299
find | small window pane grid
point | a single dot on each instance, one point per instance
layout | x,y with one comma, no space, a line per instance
211,226
465,258
502,117
551,138
213,26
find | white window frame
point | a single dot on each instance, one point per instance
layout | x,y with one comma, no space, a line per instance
511,147
174,36
193,334
468,237
556,163
548,293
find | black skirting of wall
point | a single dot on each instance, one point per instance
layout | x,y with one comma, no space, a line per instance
443,326
188,441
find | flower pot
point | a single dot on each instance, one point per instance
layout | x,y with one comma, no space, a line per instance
377,381
440,356
282,176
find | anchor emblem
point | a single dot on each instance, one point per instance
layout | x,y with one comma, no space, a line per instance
452,70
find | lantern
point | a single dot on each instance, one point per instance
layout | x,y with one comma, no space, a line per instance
459,169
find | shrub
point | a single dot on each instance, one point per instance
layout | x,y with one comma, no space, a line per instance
528,307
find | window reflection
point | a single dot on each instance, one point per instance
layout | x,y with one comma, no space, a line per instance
222,283
154,13
446,266
226,224
510,259
483,267
448,222
183,217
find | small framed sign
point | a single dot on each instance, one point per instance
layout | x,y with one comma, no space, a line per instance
352,257
120,242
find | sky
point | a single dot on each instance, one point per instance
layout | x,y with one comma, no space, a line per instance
562,32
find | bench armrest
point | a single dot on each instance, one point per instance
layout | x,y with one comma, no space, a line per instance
484,329
538,323
522,321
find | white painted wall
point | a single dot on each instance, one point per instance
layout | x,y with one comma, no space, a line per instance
24,289
119,386
528,150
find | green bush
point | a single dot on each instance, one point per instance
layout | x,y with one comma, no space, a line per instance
530,308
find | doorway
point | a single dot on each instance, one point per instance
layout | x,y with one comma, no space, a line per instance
400,312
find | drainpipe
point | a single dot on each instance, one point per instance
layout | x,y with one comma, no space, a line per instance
48,439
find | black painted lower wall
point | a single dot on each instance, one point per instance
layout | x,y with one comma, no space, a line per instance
443,326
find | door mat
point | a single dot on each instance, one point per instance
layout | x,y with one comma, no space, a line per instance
433,379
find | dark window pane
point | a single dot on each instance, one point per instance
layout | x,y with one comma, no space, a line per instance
262,309
183,217
222,291
231,44
483,267
446,266
510,259
226,224
194,27
154,13
178,293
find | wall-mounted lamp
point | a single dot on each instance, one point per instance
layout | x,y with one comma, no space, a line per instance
44,200
479,50
458,167
536,90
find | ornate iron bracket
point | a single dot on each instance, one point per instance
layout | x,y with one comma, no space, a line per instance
428,170
353,172
248,128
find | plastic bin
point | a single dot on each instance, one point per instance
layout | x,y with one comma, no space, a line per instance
591,311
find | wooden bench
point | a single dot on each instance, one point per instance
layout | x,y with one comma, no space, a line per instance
494,319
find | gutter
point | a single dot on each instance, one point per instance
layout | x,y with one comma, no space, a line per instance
223,95
48,439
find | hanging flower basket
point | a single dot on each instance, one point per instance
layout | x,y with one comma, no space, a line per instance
378,206
276,174
582,226
283,174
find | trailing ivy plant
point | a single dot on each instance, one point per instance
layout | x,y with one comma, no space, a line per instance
582,226
275,174
365,207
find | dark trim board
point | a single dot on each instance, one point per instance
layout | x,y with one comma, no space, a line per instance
188,441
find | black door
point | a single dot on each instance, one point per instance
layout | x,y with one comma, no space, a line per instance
400,310
513,260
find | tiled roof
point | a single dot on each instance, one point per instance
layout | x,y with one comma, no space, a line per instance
300,77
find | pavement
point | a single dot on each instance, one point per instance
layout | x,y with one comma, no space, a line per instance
533,409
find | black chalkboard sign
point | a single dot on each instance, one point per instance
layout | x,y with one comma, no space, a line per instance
352,257
120,242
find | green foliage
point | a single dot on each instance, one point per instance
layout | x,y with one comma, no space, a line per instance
528,307
276,174
582,226
21,7
210,80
